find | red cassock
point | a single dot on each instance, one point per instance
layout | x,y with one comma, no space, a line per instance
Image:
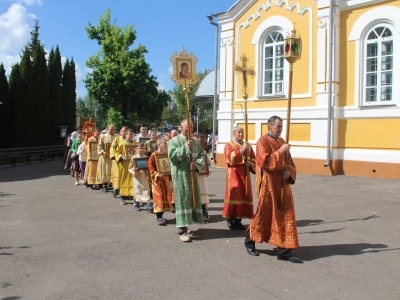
238,200
274,221
161,187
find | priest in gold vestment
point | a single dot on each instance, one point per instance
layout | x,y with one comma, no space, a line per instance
114,166
274,221
123,159
91,165
103,175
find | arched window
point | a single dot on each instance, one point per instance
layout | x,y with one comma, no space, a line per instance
378,65
273,64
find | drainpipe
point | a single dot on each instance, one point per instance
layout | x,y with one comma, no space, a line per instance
211,18
330,89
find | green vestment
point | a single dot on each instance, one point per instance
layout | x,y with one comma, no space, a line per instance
178,154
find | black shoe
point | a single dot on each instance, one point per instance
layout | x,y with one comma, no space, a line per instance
137,206
231,226
173,208
239,225
115,193
290,257
252,251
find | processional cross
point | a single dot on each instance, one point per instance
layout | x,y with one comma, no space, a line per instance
244,70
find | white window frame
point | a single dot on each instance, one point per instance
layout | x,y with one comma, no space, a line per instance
284,67
273,23
380,16
379,70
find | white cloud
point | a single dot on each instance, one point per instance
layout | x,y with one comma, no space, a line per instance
14,33
31,2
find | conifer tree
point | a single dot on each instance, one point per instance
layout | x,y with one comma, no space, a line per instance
65,93
14,88
41,96
5,118
72,98
34,39
55,94
25,103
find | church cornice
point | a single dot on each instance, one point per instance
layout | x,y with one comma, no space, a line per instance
243,6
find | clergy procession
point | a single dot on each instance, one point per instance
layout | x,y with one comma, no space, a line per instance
169,174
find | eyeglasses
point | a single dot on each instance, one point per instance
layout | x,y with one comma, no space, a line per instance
278,126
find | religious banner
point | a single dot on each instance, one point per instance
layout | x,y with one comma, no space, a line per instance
184,68
89,129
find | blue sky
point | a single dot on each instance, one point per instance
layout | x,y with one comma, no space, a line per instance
163,26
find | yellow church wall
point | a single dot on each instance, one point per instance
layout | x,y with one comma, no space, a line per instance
251,130
347,51
300,132
301,67
376,133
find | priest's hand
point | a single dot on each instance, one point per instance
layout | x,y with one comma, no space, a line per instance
189,144
285,148
245,146
285,174
193,166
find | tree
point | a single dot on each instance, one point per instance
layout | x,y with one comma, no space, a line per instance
120,76
68,94
14,88
87,107
55,94
34,39
197,110
5,109
41,96
115,117
26,134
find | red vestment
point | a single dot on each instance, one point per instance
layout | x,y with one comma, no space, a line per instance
161,187
274,221
238,200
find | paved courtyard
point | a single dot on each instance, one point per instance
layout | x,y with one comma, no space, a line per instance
60,241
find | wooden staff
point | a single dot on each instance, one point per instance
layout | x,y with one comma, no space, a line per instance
192,175
289,107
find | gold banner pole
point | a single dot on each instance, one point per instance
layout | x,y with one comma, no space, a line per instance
292,53
192,175
184,73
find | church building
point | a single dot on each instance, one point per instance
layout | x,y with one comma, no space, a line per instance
345,116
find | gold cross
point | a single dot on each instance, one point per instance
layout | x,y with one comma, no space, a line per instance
244,70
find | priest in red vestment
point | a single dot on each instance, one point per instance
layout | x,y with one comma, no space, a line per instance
274,221
238,200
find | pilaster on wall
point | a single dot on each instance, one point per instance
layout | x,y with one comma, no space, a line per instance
225,111
323,63
323,41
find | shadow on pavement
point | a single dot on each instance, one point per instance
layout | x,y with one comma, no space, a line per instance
322,231
304,223
308,253
33,171
212,233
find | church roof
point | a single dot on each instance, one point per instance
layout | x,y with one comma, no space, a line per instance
207,86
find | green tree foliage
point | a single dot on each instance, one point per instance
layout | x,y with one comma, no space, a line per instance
5,110
115,117
203,111
25,106
120,77
87,107
55,95
41,96
15,90
34,39
68,94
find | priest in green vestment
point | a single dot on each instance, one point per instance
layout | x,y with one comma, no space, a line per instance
179,151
